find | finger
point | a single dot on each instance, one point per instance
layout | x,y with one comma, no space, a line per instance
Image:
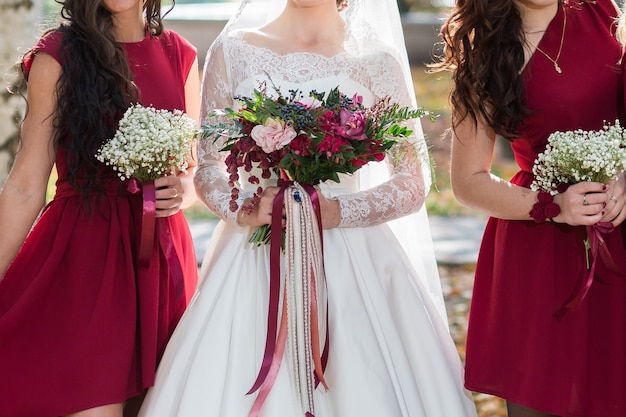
171,193
588,187
271,191
167,204
589,220
620,218
165,182
167,213
592,199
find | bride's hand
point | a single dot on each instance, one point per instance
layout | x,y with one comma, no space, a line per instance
331,211
261,214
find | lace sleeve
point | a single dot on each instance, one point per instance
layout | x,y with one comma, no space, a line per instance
404,192
211,179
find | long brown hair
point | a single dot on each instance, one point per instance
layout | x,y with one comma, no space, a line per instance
96,85
483,49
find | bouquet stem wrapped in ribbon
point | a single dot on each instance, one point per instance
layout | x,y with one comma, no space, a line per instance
147,145
301,140
572,157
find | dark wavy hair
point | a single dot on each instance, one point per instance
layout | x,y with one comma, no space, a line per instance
483,49
96,86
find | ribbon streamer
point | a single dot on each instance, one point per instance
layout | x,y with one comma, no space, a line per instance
299,322
597,246
148,227
148,219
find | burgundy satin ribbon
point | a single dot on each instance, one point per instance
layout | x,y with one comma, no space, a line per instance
148,219
148,227
173,262
597,246
274,348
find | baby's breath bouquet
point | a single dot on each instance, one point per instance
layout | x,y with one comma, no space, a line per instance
576,156
149,143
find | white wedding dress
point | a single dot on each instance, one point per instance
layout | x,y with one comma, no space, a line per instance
391,354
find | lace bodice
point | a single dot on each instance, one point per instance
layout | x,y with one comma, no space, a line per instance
235,67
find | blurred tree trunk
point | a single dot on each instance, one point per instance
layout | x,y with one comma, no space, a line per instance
17,33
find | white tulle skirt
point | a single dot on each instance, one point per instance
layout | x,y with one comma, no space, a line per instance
390,352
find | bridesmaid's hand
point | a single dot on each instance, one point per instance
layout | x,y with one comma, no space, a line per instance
616,205
169,195
582,204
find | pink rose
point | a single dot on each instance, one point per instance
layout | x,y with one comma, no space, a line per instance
273,135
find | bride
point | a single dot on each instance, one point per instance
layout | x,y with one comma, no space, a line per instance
390,353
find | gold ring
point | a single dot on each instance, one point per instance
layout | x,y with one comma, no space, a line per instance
614,199
585,202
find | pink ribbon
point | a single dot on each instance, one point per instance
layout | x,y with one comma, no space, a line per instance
275,347
597,246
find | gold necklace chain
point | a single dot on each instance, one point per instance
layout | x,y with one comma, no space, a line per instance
554,61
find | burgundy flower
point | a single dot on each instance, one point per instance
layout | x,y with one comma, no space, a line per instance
379,156
246,145
301,145
551,210
332,144
537,214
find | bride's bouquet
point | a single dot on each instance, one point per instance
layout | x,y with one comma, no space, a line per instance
149,143
576,156
305,138
302,140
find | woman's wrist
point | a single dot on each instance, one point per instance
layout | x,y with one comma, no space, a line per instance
545,208
331,216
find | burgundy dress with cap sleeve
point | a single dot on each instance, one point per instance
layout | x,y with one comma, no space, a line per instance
516,347
82,323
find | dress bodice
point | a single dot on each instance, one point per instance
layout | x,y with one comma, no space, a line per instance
235,68
164,61
553,97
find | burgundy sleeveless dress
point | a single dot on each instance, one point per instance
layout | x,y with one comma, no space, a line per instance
516,348
81,323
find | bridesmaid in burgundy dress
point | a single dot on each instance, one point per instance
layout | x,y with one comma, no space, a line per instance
535,67
82,324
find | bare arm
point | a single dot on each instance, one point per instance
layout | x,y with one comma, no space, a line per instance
23,194
475,186
192,103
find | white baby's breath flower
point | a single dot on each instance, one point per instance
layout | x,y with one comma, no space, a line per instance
149,143
576,156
